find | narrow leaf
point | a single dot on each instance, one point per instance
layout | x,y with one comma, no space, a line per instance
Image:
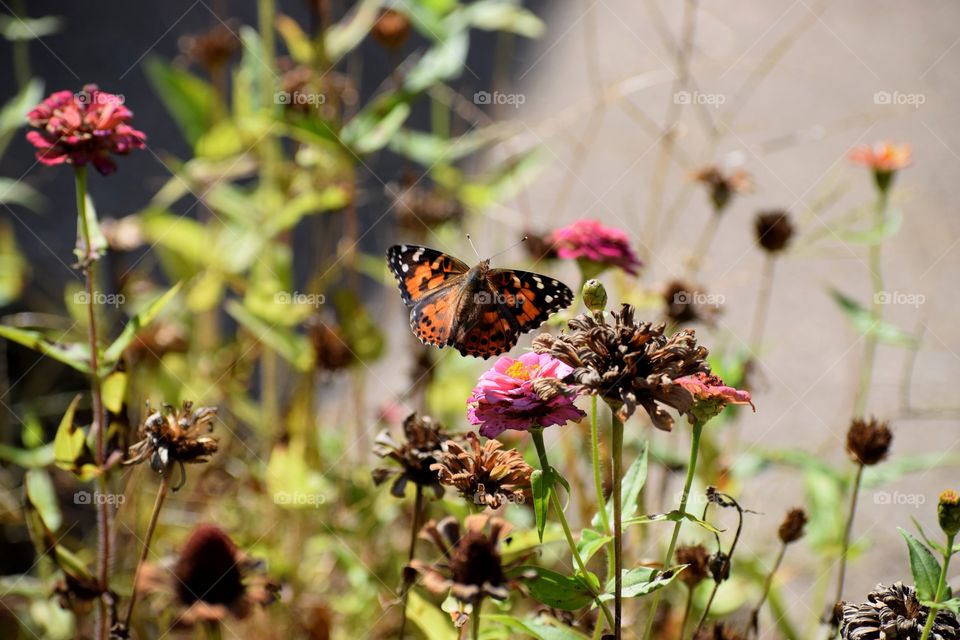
925,568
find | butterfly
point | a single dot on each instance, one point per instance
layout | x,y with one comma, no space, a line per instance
481,312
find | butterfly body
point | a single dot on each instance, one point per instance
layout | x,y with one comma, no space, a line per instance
480,311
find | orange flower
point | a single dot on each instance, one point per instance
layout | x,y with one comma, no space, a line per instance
883,157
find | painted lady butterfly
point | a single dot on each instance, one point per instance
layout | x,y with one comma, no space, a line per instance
481,312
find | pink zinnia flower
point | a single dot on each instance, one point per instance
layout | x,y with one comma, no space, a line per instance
711,395
883,157
521,394
590,240
83,127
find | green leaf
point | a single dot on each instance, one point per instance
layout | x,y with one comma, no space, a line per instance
19,192
630,487
642,581
70,442
953,605
291,346
432,622
43,496
553,589
540,487
923,566
343,37
866,324
672,516
443,62
113,390
297,41
335,197
190,100
13,266
21,28
540,628
590,543
98,241
135,325
14,112
886,228
75,355
503,15
372,128
27,458
936,546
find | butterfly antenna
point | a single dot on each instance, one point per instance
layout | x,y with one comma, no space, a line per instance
513,246
473,246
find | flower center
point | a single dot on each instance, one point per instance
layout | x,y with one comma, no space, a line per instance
520,371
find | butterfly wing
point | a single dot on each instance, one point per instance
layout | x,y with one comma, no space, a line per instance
420,271
515,302
433,318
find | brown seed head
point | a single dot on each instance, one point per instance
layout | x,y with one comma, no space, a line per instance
868,441
791,529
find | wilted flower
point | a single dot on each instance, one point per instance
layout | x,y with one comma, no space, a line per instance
330,349
303,90
685,303
722,185
895,613
774,230
77,128
697,559
539,246
210,581
868,441
521,394
170,436
791,529
212,49
391,29
599,246
948,512
423,446
718,631
471,567
711,395
155,341
488,475
629,363
418,208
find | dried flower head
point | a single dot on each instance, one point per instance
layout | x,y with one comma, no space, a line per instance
210,581
722,185
521,394
718,631
711,395
629,364
305,91
895,613
212,49
330,349
471,567
424,440
485,475
868,441
791,529
391,29
948,512
539,246
774,230
697,559
596,246
175,437
418,208
686,303
77,128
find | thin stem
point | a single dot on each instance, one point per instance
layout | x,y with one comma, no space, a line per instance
475,620
702,248
763,304
145,552
414,529
537,435
21,50
88,263
755,616
616,426
941,588
875,266
686,612
847,531
598,482
682,509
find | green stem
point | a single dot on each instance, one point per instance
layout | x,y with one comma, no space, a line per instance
598,482
691,472
475,620
414,529
616,426
537,435
154,517
875,265
21,50
941,588
88,263
755,616
848,529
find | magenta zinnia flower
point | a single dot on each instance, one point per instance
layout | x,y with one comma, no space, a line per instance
77,128
711,395
522,393
591,241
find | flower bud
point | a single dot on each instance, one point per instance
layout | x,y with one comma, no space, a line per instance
948,512
594,296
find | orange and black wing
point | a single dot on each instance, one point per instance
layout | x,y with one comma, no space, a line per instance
420,271
530,298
